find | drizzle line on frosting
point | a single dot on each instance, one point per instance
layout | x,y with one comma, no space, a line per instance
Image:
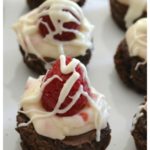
139,114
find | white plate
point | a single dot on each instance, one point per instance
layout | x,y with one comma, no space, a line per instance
107,35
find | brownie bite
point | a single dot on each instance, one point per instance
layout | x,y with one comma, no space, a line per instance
52,29
131,57
126,12
35,3
62,111
139,131
81,142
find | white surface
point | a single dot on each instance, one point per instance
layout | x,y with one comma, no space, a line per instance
107,35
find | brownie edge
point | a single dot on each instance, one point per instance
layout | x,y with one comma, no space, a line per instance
30,140
35,3
125,66
140,132
38,66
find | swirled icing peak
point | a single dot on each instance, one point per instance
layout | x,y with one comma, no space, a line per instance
54,28
63,102
136,38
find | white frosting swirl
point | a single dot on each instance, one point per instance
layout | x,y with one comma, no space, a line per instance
48,123
32,42
136,38
135,10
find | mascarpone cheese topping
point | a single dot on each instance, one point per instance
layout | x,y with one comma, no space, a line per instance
136,38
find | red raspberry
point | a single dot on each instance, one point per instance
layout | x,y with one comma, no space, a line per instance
42,28
65,35
71,25
52,90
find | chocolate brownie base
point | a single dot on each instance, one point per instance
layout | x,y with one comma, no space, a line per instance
125,66
140,132
38,66
30,140
35,3
118,12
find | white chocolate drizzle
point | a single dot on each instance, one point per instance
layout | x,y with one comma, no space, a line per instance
139,64
136,38
27,30
139,114
99,108
135,10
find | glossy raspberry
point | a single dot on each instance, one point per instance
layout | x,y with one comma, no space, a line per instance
52,91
